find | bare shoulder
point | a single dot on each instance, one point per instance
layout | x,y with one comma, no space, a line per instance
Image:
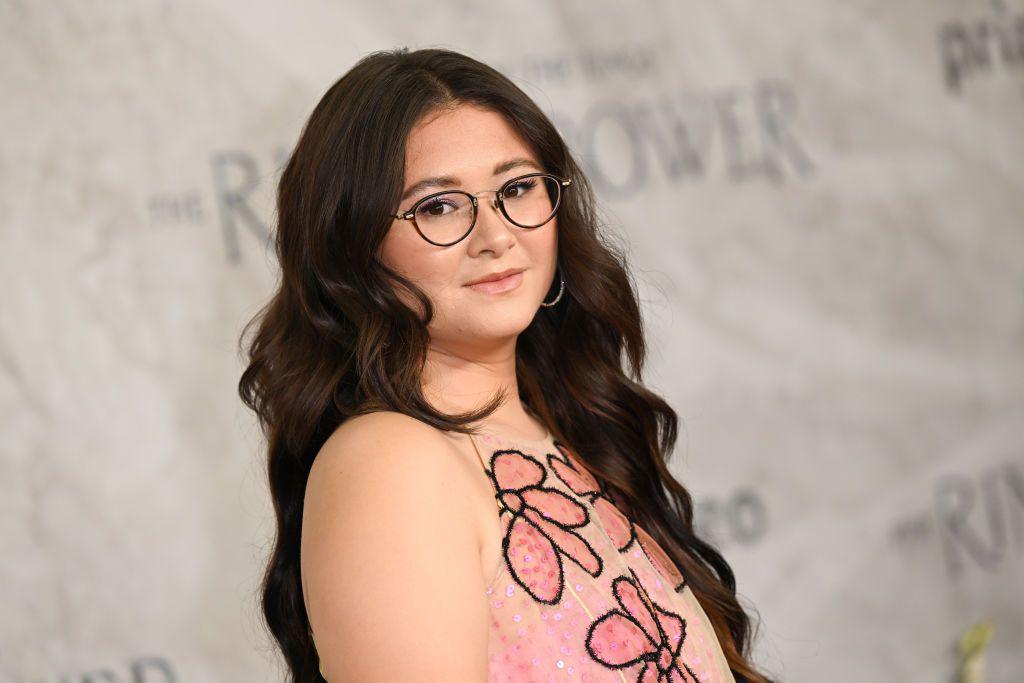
394,452
390,451
377,439
389,510
385,426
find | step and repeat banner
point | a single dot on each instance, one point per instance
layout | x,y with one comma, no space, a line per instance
823,205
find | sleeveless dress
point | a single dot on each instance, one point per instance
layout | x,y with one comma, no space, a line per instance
582,593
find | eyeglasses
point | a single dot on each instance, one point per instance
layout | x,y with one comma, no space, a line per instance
528,201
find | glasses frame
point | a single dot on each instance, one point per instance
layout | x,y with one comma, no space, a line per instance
498,203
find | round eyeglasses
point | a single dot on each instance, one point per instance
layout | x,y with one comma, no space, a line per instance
447,217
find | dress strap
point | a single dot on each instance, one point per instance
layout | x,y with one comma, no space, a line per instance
488,473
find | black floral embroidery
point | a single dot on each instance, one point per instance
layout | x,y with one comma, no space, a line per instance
622,531
641,631
543,526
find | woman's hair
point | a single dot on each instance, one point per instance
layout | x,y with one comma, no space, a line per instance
335,340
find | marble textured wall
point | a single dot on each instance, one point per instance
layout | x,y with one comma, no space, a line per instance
824,205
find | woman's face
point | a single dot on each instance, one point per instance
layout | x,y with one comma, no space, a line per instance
467,143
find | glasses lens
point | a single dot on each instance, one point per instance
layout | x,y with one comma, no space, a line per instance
446,218
531,201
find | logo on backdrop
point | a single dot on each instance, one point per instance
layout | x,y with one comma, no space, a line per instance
740,134
627,144
981,47
975,521
138,670
740,518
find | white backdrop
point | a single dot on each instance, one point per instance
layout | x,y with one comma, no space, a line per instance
824,205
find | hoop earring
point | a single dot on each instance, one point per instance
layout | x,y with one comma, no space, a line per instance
561,289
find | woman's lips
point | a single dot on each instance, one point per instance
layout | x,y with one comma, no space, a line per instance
505,284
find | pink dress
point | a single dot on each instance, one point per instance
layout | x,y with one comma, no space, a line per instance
583,593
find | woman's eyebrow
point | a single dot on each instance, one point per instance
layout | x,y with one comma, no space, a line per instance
451,181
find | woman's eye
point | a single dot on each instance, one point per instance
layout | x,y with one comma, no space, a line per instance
517,190
433,208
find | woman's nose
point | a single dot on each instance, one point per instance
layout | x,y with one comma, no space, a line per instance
493,225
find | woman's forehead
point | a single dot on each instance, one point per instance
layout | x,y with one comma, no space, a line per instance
466,140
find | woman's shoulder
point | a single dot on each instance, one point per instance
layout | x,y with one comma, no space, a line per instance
390,459
387,511
385,443
378,473
382,425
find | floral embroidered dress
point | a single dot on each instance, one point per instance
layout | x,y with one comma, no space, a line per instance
583,593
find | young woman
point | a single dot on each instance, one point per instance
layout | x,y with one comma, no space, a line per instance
468,486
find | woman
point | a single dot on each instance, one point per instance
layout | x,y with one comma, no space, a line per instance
439,247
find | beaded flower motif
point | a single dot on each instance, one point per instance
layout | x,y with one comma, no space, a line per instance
620,529
543,526
640,631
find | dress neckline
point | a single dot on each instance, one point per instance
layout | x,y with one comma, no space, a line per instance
516,439
510,437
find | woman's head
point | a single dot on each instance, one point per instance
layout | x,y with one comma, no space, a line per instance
363,297
395,119
478,151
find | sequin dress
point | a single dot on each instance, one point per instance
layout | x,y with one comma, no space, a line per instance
582,593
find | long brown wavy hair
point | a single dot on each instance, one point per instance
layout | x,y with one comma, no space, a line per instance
335,340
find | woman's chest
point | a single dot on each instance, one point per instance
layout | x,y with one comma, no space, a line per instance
580,591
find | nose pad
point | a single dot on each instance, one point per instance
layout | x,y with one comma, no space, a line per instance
503,223
493,203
